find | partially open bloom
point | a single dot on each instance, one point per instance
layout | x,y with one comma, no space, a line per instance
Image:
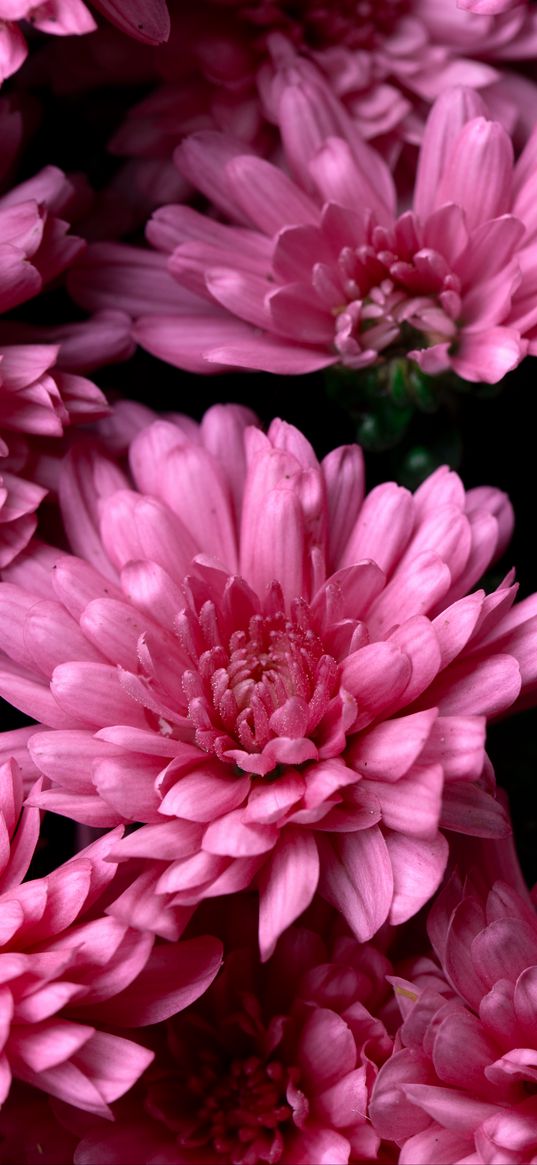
275,1064
69,973
283,681
319,268
461,1086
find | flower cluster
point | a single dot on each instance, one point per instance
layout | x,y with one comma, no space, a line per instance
260,893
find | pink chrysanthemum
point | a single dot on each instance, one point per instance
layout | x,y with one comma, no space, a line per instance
387,60
283,681
461,1087
41,389
320,269
70,973
275,1065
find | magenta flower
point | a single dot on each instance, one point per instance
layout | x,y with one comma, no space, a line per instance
283,681
462,1085
275,1064
69,973
387,64
320,269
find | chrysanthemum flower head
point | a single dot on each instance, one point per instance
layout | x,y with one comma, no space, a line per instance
462,1084
275,1064
69,973
319,266
284,681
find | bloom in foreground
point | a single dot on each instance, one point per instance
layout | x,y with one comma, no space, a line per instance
282,681
462,1085
319,268
275,1064
69,973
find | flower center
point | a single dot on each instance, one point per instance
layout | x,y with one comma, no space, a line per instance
392,282
241,1111
254,685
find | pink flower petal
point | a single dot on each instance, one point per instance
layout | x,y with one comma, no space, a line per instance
356,877
288,883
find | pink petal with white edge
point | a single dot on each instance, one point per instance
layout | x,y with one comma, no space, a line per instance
418,867
356,878
287,885
388,750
